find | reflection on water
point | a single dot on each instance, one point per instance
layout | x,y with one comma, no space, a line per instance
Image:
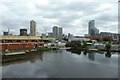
108,54
91,56
64,64
85,52
24,58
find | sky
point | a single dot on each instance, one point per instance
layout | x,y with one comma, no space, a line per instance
72,15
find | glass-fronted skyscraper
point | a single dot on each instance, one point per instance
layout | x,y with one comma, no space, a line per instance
92,29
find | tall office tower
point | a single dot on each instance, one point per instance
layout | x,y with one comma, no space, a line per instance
60,33
32,28
92,29
55,32
23,32
91,24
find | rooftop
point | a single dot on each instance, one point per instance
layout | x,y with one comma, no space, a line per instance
24,38
19,37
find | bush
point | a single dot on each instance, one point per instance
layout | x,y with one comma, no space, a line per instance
42,49
84,44
69,44
78,44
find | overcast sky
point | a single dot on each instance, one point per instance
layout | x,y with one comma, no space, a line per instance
72,15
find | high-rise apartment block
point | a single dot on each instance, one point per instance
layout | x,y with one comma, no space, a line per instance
60,33
92,29
57,32
32,28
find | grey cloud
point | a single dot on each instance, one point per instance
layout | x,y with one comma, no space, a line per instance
111,28
60,7
19,13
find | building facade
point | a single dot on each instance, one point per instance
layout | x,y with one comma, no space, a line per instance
5,33
43,35
55,32
23,32
92,29
60,33
20,42
114,36
32,28
70,36
50,35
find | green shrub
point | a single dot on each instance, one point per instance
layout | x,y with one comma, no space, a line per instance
84,44
108,45
43,49
69,44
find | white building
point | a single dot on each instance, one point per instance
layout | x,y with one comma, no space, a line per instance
79,39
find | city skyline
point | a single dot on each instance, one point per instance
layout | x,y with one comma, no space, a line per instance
69,15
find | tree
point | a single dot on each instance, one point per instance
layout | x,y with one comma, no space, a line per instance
69,44
66,39
78,44
108,46
84,44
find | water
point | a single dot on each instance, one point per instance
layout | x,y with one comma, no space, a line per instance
63,64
